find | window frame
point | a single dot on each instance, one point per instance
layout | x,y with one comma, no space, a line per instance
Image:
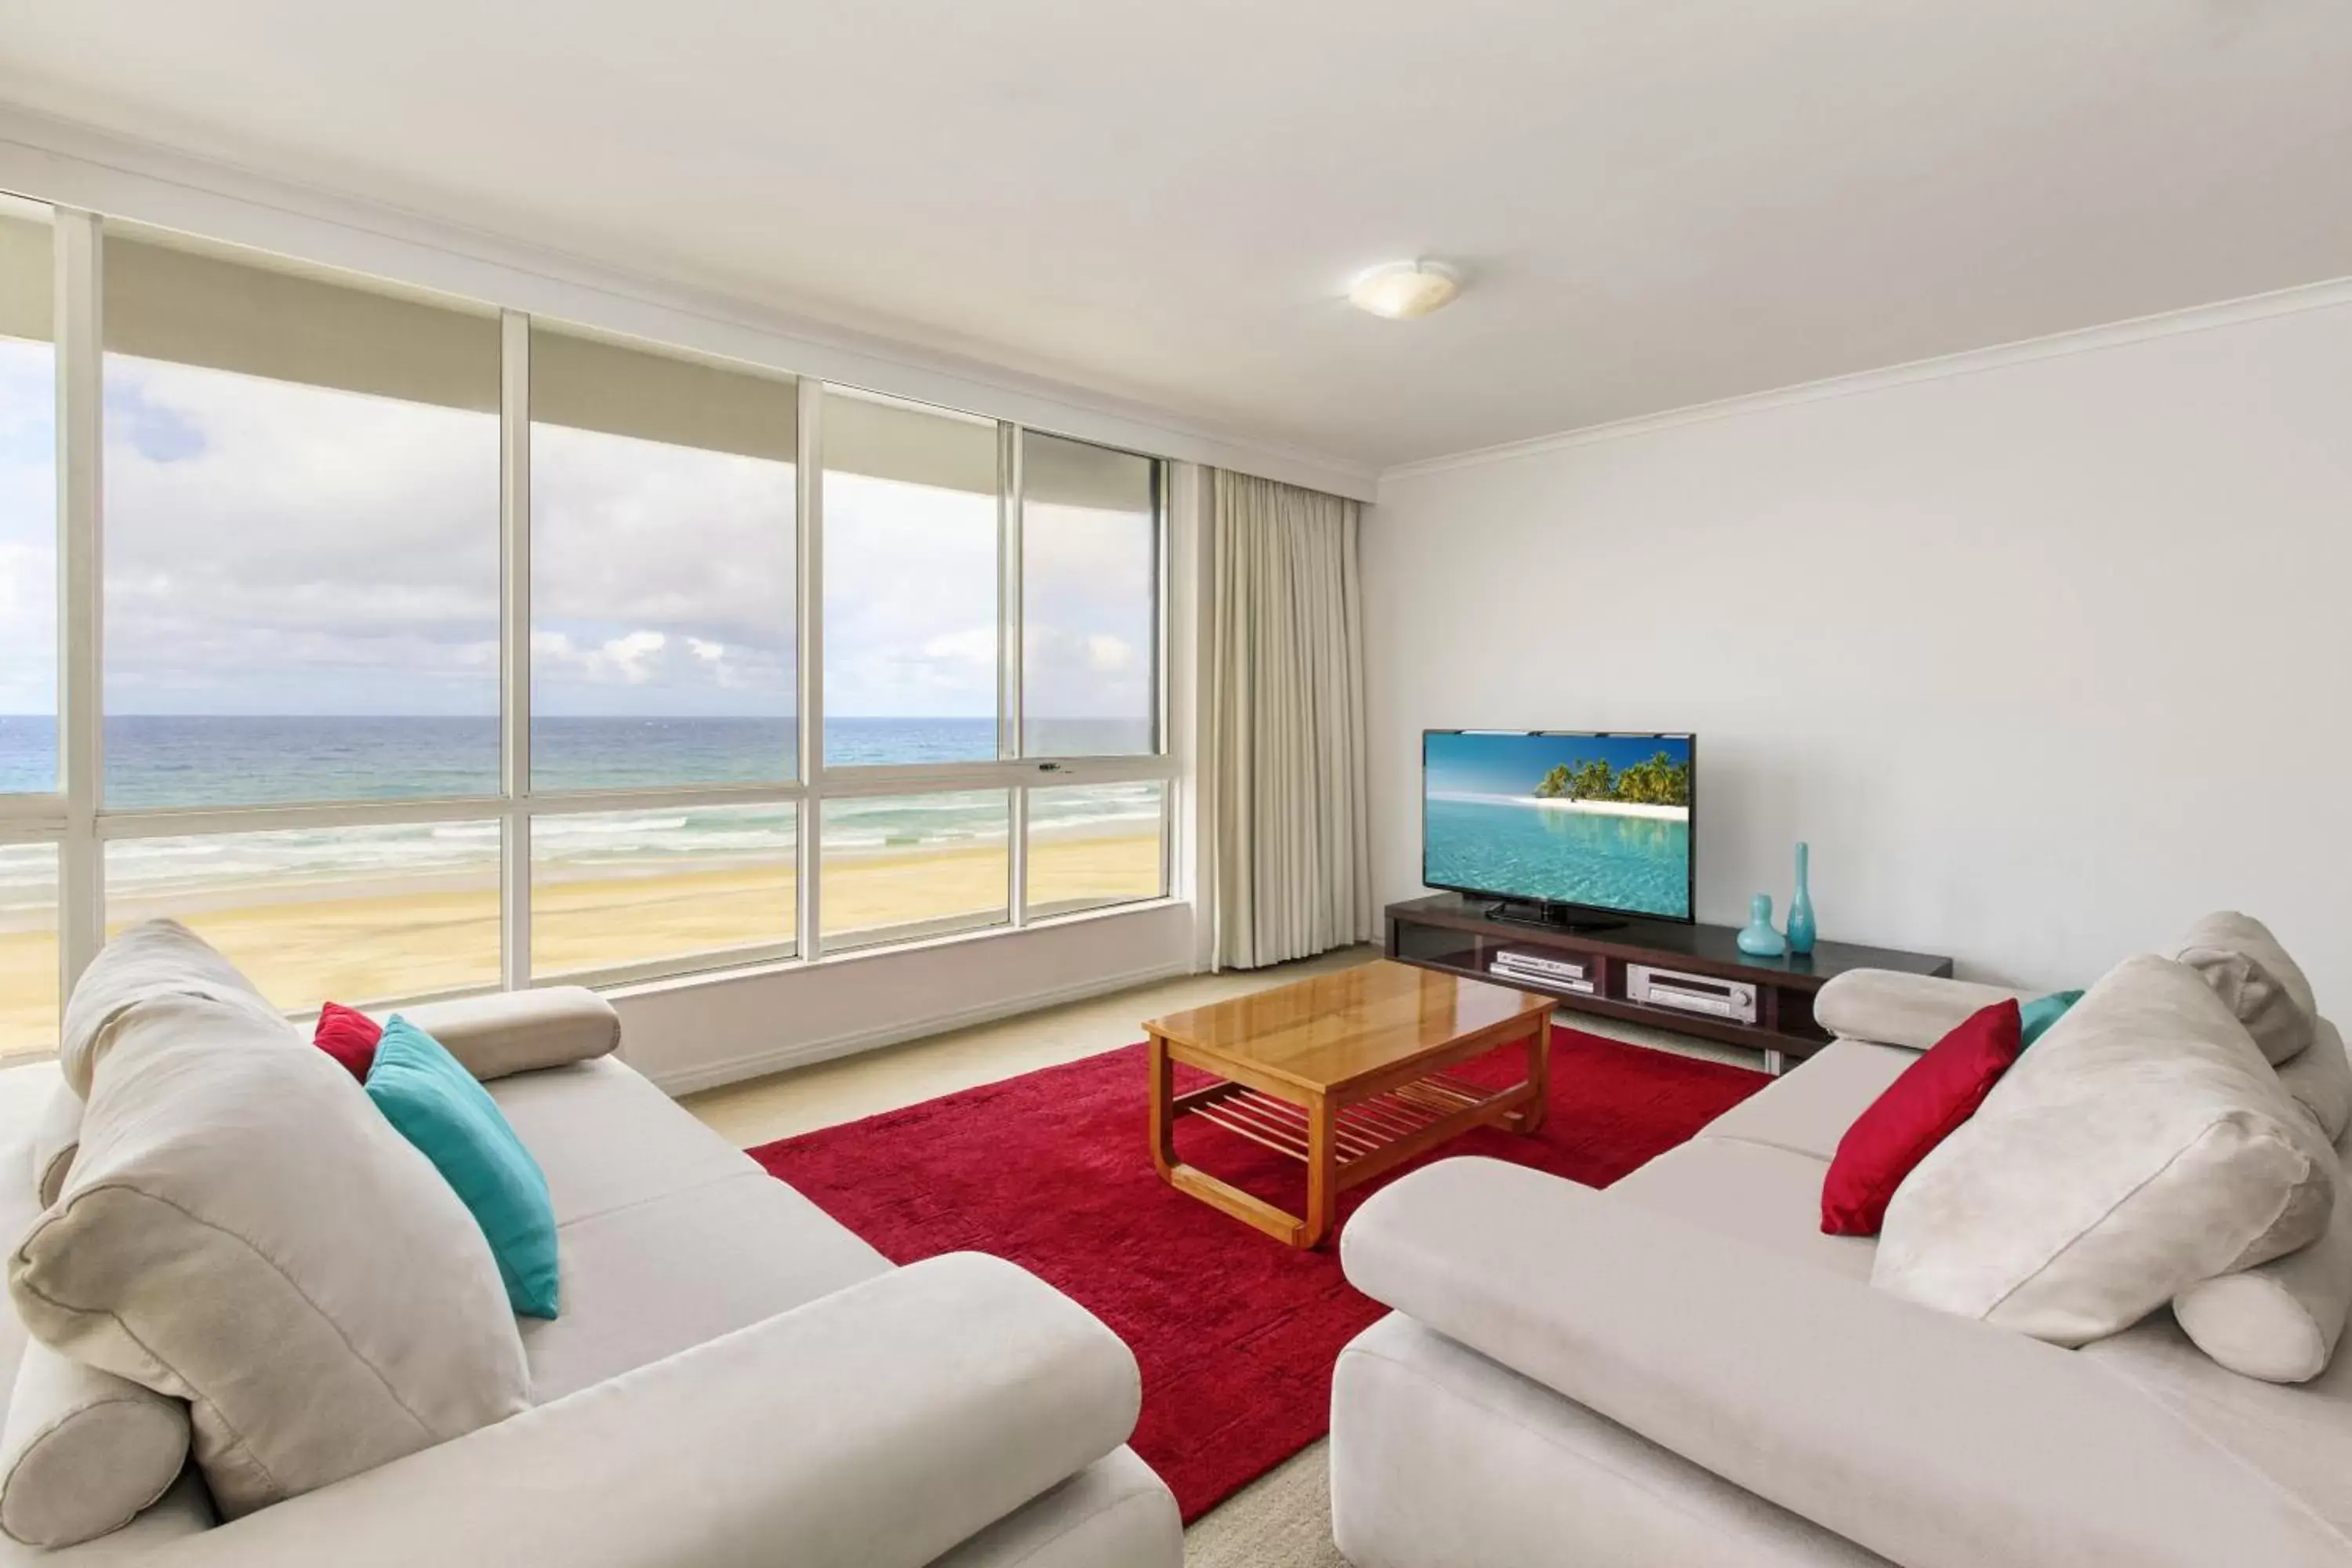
76,818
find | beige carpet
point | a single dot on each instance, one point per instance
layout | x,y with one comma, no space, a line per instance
1281,1519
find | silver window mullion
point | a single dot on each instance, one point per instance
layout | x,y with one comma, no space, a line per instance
80,349
808,589
514,649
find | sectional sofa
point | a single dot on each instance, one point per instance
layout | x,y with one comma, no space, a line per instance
1684,1369
734,1379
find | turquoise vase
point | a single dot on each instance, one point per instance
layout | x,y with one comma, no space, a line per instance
1801,907
1757,938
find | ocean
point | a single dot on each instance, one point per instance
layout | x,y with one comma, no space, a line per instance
156,762
1503,845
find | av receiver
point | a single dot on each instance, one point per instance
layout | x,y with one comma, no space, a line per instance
1653,987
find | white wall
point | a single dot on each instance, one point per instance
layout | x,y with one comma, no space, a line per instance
2046,652
694,1033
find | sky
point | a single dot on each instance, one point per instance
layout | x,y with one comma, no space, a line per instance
1514,765
278,548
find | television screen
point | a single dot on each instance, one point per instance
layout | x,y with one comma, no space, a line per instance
1598,822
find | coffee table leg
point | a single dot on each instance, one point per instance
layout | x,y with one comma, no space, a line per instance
1163,1108
1322,1172
1538,1075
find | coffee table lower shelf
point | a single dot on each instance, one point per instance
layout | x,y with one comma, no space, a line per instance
1342,1139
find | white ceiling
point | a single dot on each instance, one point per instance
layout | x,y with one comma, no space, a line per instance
1657,203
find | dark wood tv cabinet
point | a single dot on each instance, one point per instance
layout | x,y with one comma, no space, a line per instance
1449,933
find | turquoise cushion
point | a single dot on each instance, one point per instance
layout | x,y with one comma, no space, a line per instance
2043,1011
423,1090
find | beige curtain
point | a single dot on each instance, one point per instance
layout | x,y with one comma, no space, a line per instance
1289,851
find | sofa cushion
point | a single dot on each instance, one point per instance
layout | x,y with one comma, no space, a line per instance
2278,1320
152,959
242,1230
2297,1438
441,1109
83,1451
521,1031
1918,1111
348,1036
2035,1017
605,1138
1808,1108
2237,956
649,1279
2320,1079
1768,1196
2140,1146
54,1141
1893,1009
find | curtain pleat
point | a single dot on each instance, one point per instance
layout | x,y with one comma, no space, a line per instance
1288,826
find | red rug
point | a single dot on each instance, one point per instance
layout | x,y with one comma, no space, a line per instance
1236,1333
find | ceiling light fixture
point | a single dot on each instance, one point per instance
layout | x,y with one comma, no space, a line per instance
1401,290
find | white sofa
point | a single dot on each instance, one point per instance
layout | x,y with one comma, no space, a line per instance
1682,1370
735,1379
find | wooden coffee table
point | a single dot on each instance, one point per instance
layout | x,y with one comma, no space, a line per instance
1346,1073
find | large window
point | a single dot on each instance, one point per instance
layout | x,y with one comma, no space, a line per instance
301,536
662,544
1090,600
432,649
912,620
29,506
30,821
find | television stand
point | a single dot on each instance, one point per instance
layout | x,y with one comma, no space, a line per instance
1462,936
1551,917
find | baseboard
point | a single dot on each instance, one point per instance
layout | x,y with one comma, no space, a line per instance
759,1064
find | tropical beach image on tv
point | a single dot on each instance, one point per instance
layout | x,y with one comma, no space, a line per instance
1601,822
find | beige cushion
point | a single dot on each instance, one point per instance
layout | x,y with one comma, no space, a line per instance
83,1450
2321,1079
510,1032
2278,1320
2248,969
1895,1009
2143,1144
243,1230
154,958
55,1138
1808,1108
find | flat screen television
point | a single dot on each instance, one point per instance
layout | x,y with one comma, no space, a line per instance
1560,823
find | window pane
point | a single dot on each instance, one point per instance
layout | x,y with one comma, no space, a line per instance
910,585
29,506
615,888
1093,845
1090,600
901,867
662,517
301,530
349,914
28,948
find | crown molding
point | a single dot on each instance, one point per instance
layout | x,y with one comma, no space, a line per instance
2323,296
71,164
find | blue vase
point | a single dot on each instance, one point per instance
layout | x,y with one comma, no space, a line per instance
1801,907
1757,938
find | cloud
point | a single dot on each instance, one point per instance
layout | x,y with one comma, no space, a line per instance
279,548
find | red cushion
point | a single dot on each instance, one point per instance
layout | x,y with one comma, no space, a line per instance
348,1036
1918,1111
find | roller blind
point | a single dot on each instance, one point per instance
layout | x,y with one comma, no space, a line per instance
1058,471
589,385
193,308
27,281
914,446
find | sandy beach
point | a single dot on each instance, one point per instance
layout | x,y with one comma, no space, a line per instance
359,945
1607,807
